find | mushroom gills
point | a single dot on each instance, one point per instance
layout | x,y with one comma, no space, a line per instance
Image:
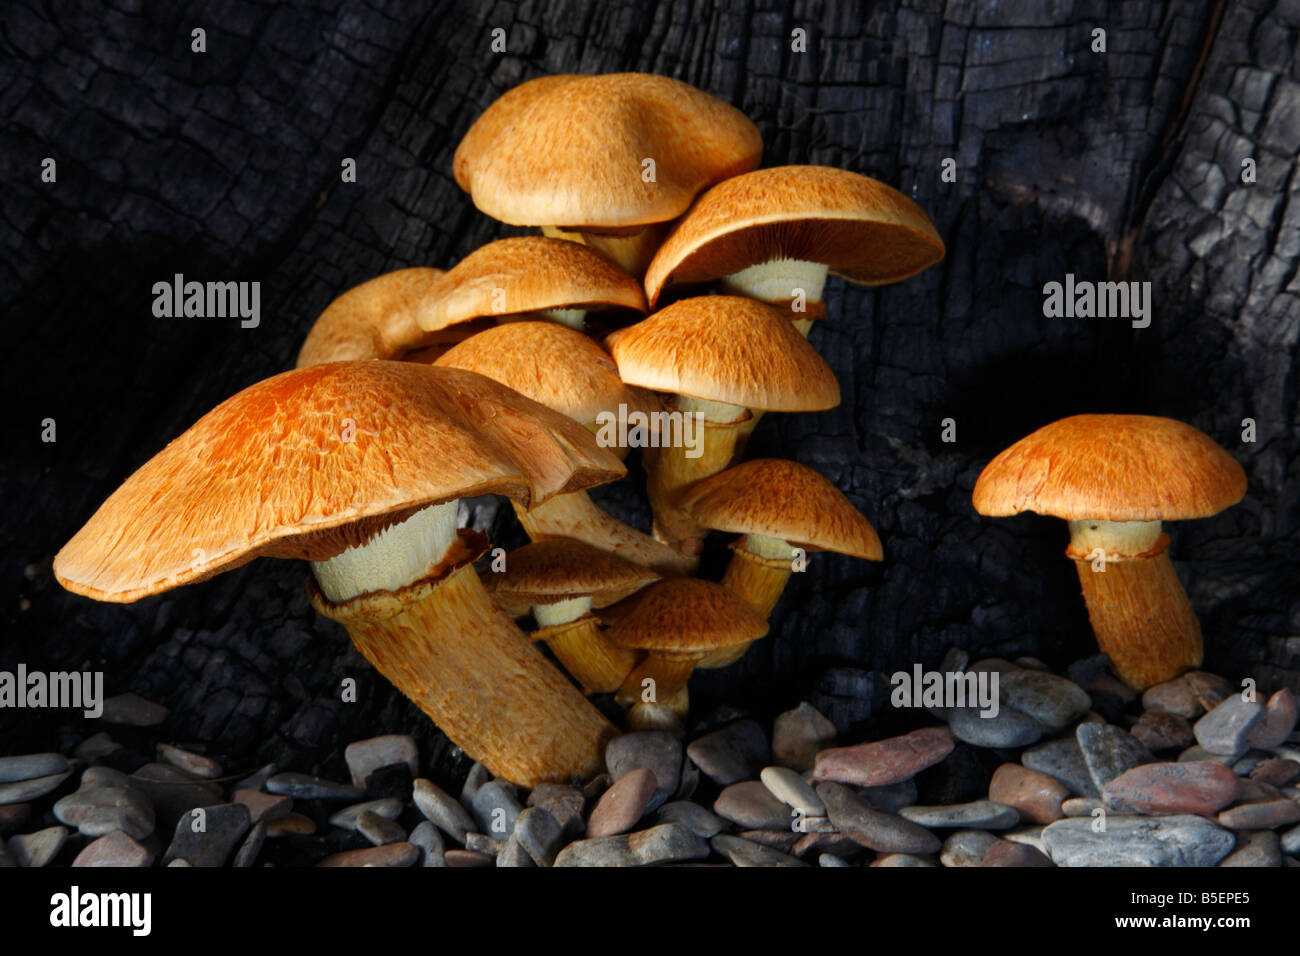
393,558
778,280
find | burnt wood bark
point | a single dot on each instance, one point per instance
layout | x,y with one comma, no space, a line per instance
225,165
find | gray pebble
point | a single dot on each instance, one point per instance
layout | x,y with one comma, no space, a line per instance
427,839
303,786
95,811
224,827
966,847
388,807
496,808
540,835
977,815
379,830
364,757
20,791
753,806
1063,760
874,829
1260,848
1291,842
246,855
442,809
1109,751
798,734
39,848
1225,729
565,804
695,817
1010,728
746,853
892,797
29,766
1177,840
830,859
1053,701
792,790
513,854
732,753
668,842
477,776
654,750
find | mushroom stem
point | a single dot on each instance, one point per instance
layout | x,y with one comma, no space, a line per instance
631,251
757,573
575,319
778,280
1139,611
576,516
573,634
669,673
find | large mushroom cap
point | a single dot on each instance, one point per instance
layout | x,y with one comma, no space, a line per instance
529,274
862,229
724,348
376,319
1112,468
569,150
558,569
785,500
686,616
310,462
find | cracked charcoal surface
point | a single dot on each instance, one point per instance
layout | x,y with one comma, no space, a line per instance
226,166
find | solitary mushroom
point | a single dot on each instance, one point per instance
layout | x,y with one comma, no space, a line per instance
777,507
356,467
603,159
721,357
1115,478
774,233
560,581
679,622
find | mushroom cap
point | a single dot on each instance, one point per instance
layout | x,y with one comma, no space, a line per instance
551,364
269,472
686,616
725,348
568,150
785,500
1112,468
558,569
528,274
376,319
863,230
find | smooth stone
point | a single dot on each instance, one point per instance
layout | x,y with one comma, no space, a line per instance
1174,696
105,777
39,848
597,785
247,853
481,843
303,786
1246,764
1055,702
1202,787
257,780
690,782
827,841
96,746
1182,840
743,852
782,840
1035,796
792,790
1197,752
133,710
192,763
1226,728
224,826
496,808
732,753
1105,684
477,776
1008,728
172,791
1258,848
976,815
665,843
1030,835
798,735
623,804
966,847
1109,751
830,859
95,811
565,804
364,757
1007,853
874,829
883,762
264,806
655,750
540,835
901,860
114,849
391,854
31,766
1251,791
20,791
893,797
443,810
388,807
1161,730
1261,816
513,854
1062,760
751,805
379,830
1081,806
181,862
1278,721
1276,771
428,840
291,824
468,859
696,818
1291,841
1210,689
13,816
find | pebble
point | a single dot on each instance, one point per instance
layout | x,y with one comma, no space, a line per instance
20,791
30,766
1081,806
133,710
1225,729
1261,816
1197,752
224,826
1174,696
440,808
347,818
1291,841
246,855
565,804
966,847
428,840
540,835
831,841
513,854
468,858
303,786
1182,840
39,848
257,781
830,859
1036,797
782,840
893,797
874,829
665,843
379,830
96,746
264,806
747,853
496,808
1209,689
1278,721
902,859
95,811
364,757
797,736
1007,853
481,843
792,790
1008,728
1105,684
1260,848
1055,702
1029,835
976,815
1275,771
732,753
753,806
1202,786
1161,730
1062,760
13,816
192,763
477,776
654,750
114,849
883,762
392,854
291,824
623,804
1109,751
696,818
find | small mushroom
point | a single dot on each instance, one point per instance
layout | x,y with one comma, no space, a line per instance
356,467
560,581
776,506
1115,478
678,622
608,159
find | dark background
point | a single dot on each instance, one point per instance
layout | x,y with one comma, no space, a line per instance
225,165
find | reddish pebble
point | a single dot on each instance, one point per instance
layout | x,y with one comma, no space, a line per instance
1006,853
1275,771
1034,795
113,849
1261,816
264,806
1198,786
883,762
468,858
392,854
1162,730
1278,721
623,804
